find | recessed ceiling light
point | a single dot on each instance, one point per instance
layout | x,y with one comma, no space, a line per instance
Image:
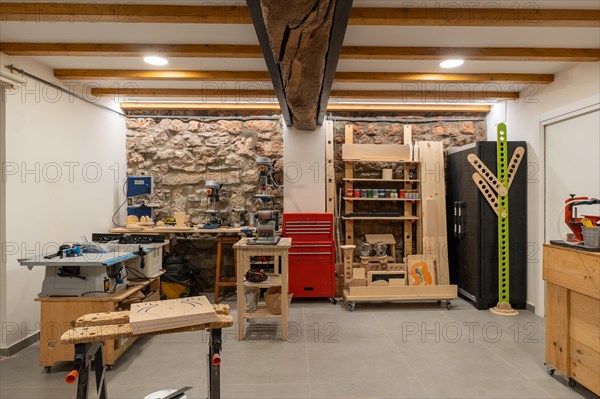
451,63
153,60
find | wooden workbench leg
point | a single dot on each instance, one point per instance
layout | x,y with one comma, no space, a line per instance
284,296
242,259
218,271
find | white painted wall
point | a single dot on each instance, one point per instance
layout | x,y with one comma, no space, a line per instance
571,89
65,165
304,170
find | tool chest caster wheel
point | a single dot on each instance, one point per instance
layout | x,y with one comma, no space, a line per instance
572,383
48,369
351,306
333,301
550,370
448,305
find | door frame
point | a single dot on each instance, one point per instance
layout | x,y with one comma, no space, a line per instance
570,111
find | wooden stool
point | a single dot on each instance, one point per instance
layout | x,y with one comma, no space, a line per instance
225,281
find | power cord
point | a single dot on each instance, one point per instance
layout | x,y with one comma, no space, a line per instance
120,206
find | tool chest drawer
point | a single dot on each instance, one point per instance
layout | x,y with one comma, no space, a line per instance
312,255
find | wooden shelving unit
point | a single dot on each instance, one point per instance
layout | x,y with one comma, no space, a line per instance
410,216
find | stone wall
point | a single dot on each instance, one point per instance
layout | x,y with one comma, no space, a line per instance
183,154
453,130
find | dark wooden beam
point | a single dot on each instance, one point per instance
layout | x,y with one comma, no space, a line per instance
274,72
298,39
338,32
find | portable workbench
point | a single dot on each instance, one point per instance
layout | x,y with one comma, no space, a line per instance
92,330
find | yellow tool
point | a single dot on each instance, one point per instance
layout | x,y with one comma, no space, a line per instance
587,222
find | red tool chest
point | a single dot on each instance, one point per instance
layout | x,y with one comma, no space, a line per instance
312,255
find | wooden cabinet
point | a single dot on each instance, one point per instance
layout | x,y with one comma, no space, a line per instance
573,314
58,314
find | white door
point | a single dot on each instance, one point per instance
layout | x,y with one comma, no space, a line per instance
572,166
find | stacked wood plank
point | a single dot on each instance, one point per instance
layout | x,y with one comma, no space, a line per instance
433,192
171,314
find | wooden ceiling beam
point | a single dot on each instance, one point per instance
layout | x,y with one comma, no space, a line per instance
132,50
139,106
348,52
393,77
261,76
143,74
449,15
524,16
252,95
123,13
471,53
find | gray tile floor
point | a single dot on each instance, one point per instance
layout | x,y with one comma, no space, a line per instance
377,351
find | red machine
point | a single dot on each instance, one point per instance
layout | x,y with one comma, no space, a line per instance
312,255
571,218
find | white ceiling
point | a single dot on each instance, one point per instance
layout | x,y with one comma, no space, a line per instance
356,35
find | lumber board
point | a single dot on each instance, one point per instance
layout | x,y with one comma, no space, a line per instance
171,314
396,293
122,317
375,152
348,185
330,168
80,335
433,185
407,134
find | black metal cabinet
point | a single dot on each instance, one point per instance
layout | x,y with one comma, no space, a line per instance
473,228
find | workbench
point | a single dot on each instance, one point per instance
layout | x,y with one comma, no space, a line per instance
91,331
279,278
573,314
225,236
57,315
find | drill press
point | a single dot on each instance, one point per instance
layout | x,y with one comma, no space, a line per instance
267,219
213,189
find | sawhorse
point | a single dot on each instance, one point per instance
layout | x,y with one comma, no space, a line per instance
92,330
